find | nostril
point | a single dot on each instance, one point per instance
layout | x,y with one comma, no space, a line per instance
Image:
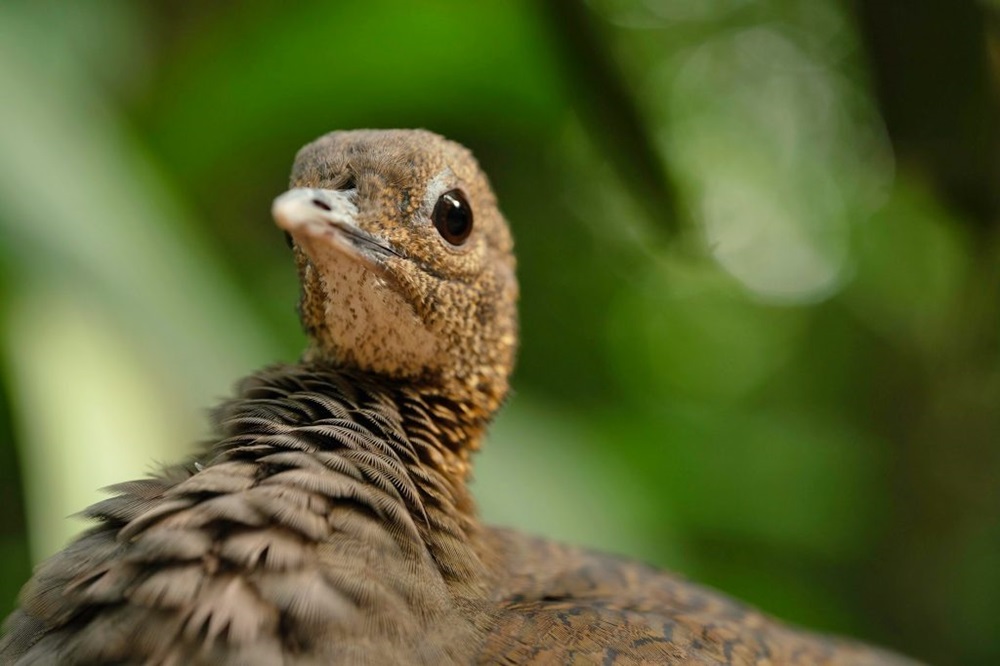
319,203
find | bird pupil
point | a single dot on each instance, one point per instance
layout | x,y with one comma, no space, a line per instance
457,217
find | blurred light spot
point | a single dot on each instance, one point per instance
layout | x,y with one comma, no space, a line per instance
645,14
777,157
759,241
692,10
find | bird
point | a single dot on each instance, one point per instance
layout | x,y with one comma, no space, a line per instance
328,519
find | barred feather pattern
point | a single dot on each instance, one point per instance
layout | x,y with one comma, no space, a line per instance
319,527
329,523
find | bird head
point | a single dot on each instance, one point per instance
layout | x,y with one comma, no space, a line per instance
405,261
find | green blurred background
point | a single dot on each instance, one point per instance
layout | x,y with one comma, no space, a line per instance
759,248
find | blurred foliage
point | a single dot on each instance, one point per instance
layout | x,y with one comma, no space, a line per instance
758,245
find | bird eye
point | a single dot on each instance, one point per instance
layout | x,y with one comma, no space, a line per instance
288,241
453,217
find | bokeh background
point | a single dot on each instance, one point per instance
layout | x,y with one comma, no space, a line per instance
759,248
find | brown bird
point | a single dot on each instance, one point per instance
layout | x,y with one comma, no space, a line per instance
329,520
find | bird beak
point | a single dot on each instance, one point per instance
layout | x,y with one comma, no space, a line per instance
323,223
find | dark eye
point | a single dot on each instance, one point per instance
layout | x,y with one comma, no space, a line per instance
288,240
453,217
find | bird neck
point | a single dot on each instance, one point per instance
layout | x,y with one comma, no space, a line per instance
419,441
466,400
446,425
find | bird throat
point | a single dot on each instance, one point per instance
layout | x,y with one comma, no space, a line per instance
363,322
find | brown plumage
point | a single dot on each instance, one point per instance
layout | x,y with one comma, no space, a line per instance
329,520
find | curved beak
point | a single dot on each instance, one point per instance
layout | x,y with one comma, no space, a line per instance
323,223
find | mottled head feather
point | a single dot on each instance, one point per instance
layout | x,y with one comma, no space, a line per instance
422,310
